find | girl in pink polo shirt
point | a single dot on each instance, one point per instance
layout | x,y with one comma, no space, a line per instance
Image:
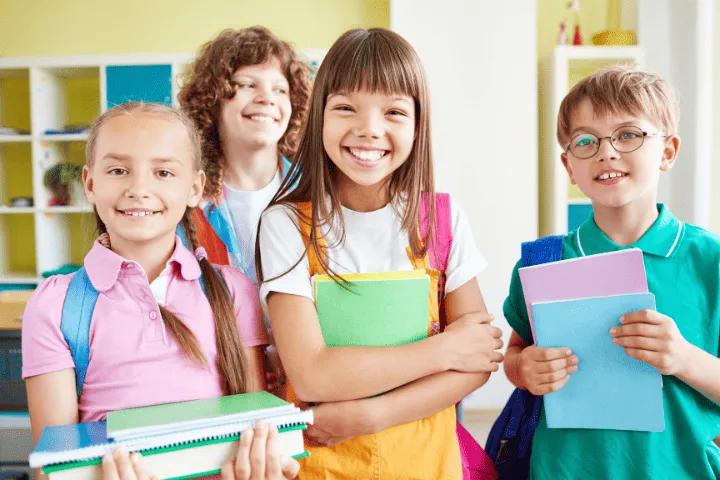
155,336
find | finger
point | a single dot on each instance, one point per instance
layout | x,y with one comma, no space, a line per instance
552,387
290,467
641,343
109,470
137,467
258,449
497,357
496,332
548,354
556,376
556,365
242,462
498,344
644,316
124,467
272,456
651,358
478,317
637,329
226,473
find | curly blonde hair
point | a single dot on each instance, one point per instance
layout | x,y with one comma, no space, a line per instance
209,83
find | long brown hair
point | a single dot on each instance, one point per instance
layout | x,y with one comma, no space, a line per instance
376,60
209,83
231,362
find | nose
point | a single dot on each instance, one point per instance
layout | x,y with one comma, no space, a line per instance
264,95
606,150
368,126
137,187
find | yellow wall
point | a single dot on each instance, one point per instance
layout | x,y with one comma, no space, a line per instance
42,27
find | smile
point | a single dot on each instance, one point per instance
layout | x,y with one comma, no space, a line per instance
134,212
367,155
260,118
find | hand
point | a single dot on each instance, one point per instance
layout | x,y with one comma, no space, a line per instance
472,343
123,466
653,338
337,422
545,370
258,457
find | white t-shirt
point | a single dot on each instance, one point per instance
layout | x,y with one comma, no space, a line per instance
374,242
245,209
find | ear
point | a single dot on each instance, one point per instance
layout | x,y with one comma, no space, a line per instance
88,184
198,186
568,168
670,153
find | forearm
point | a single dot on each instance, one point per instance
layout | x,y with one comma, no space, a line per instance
702,373
512,366
349,373
419,399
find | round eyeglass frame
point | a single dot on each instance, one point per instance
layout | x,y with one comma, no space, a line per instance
610,138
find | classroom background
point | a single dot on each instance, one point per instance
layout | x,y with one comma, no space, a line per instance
497,75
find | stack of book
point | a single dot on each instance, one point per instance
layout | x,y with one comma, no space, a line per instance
178,441
574,303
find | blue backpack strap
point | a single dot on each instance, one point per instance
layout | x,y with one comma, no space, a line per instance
77,314
509,443
542,250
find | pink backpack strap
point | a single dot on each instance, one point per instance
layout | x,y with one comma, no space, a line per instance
439,246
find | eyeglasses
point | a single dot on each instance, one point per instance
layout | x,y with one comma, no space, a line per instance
624,140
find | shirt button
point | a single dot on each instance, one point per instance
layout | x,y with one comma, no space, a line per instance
153,315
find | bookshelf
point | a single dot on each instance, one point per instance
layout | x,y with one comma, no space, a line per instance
40,98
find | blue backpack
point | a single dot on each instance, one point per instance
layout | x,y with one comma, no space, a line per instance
509,443
77,313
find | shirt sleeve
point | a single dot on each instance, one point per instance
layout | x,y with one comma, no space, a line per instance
246,301
515,310
44,349
282,253
465,261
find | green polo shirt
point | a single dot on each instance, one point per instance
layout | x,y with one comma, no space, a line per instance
683,270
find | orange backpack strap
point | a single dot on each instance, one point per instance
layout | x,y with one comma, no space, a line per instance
305,223
215,248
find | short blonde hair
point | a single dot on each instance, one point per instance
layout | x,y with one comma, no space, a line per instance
622,89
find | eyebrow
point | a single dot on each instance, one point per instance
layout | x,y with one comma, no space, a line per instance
127,158
583,128
407,100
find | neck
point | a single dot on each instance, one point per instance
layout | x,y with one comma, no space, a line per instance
249,169
360,198
151,256
627,224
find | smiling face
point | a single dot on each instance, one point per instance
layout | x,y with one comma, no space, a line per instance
611,178
368,135
257,115
142,177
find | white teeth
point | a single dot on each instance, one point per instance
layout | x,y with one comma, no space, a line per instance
607,176
370,155
139,214
262,118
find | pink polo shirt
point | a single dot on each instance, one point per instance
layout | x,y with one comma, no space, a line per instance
134,360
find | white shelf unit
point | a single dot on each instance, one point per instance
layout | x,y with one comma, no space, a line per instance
557,202
39,94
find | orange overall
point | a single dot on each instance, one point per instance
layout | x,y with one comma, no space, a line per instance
423,449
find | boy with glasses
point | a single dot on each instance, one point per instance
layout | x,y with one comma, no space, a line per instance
618,128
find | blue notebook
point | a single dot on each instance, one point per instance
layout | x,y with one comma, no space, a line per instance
610,390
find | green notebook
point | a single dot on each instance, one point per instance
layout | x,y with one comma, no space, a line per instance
380,309
174,417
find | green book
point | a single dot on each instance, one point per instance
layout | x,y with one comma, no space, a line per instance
373,310
175,417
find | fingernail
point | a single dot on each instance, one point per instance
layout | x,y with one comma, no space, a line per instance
135,458
492,317
616,341
613,330
262,425
107,458
573,369
568,353
622,319
121,450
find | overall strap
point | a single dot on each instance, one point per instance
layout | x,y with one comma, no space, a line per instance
305,223
77,312
439,246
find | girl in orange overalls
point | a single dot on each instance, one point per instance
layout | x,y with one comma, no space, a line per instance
364,202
